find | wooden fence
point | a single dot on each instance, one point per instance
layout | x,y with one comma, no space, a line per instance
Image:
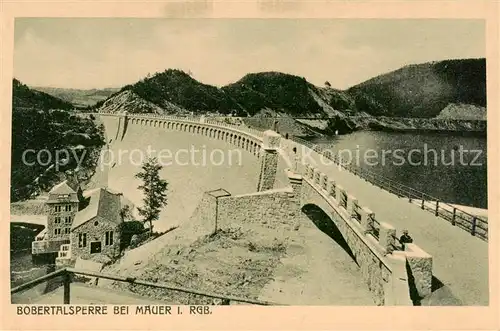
68,273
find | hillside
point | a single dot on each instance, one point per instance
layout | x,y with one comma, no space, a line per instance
423,90
176,88
79,97
415,91
24,97
129,101
463,112
43,122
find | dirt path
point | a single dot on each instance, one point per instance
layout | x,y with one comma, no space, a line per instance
317,271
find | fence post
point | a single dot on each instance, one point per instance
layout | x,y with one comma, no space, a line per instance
339,190
366,219
437,208
322,180
67,287
454,215
387,237
351,205
473,230
423,201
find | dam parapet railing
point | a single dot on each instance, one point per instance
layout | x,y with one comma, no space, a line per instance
473,224
194,119
245,138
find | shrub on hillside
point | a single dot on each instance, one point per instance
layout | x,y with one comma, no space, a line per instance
129,230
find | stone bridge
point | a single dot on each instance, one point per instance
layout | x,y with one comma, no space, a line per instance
394,276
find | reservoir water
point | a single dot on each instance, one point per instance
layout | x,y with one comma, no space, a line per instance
450,168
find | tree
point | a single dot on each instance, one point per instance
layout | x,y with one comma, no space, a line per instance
154,189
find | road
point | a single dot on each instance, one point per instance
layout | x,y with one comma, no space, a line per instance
460,261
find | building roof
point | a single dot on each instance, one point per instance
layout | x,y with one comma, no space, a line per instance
62,193
62,188
103,204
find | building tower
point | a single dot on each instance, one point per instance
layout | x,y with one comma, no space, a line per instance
62,206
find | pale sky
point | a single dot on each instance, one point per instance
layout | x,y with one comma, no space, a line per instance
112,52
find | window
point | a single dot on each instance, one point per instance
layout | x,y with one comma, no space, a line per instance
57,209
57,220
67,220
109,238
67,208
57,231
67,230
82,240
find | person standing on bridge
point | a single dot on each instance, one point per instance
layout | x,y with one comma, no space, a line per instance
405,239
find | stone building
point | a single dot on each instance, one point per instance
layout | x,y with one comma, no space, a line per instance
61,207
96,228
78,226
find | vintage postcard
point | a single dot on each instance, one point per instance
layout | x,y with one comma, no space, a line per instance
257,165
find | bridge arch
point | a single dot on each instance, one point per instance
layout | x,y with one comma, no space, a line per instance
324,222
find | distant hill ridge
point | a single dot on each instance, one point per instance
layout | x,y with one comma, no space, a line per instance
414,91
79,97
24,97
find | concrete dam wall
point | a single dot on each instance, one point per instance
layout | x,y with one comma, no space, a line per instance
232,168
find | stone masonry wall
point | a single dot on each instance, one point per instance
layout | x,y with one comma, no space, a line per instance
95,233
52,214
268,168
273,207
202,221
375,272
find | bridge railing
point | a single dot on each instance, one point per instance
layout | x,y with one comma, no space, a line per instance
356,212
475,225
67,275
361,217
374,226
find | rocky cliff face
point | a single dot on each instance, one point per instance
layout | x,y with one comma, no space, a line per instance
463,112
132,103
